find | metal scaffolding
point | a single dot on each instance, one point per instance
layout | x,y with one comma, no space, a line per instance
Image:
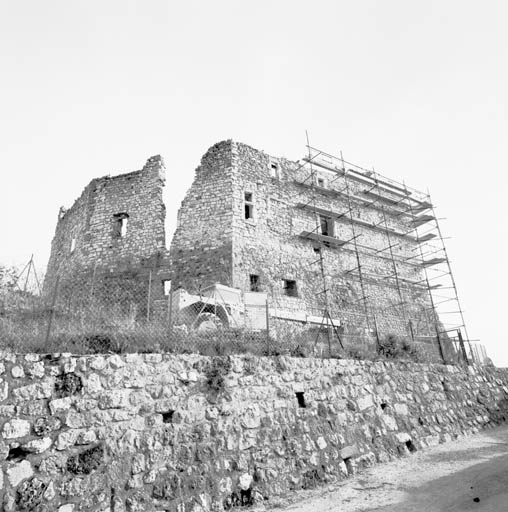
357,190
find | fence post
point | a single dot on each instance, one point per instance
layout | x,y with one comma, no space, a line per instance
149,296
267,329
170,309
378,340
462,347
52,310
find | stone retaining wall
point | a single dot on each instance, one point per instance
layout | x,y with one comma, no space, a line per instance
182,433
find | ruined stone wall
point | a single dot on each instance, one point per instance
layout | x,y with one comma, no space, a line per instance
201,249
87,245
269,245
214,242
189,433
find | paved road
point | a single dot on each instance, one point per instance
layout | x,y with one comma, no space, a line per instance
469,474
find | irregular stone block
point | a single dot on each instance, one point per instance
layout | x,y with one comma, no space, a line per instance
4,391
30,494
17,372
16,428
321,443
87,461
116,362
33,408
245,481
349,452
50,492
138,464
37,445
76,420
68,384
401,409
7,411
86,437
36,370
69,507
97,362
66,439
365,402
43,426
93,383
37,391
18,472
114,399
69,365
403,437
60,405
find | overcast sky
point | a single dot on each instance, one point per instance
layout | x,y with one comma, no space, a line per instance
417,89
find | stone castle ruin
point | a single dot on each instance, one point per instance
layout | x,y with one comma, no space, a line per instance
332,245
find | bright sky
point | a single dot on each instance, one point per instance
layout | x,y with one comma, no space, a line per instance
417,89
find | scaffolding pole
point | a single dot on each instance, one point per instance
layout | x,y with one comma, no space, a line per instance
326,313
355,245
429,290
395,272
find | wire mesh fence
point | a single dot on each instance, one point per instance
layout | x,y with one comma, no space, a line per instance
126,314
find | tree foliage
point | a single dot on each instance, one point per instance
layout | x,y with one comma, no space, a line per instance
8,277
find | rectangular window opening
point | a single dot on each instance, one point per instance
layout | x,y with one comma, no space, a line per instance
301,399
166,286
274,169
254,283
167,417
321,182
326,225
290,288
410,446
249,205
120,221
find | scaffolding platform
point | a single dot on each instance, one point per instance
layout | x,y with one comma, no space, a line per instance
402,211
323,238
422,219
433,261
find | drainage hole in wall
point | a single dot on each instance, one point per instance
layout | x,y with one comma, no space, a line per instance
167,417
17,453
301,399
349,466
410,446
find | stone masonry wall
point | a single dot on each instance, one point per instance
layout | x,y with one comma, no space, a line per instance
214,242
270,245
89,256
201,249
189,433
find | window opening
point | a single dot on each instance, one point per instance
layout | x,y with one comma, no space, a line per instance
166,286
410,446
301,399
274,169
326,224
254,283
290,288
249,205
167,417
120,221
321,182
73,244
